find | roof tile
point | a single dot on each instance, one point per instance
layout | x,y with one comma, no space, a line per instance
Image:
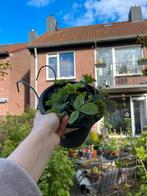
12,47
91,33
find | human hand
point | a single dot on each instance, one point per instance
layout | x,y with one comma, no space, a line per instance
49,125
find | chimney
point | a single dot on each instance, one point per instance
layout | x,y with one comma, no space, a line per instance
32,35
135,14
51,23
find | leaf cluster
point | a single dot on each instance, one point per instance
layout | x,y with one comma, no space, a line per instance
3,69
77,100
58,177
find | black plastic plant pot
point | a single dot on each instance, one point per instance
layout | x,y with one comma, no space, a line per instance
76,138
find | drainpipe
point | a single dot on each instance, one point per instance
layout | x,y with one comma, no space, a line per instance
35,75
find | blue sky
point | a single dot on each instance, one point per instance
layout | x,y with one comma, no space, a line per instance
18,17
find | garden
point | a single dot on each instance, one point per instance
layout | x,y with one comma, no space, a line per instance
102,165
85,163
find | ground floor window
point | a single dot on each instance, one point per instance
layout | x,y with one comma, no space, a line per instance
129,115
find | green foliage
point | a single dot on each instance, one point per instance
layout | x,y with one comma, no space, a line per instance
77,101
13,129
142,191
3,69
73,117
144,71
88,79
111,145
142,40
139,149
58,176
126,124
89,108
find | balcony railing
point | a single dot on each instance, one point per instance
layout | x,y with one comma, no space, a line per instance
126,77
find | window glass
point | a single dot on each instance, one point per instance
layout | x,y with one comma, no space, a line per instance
104,74
126,60
105,56
66,64
53,63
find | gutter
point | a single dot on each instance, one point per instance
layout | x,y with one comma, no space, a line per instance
35,75
48,45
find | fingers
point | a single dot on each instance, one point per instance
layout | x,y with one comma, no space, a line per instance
69,130
62,127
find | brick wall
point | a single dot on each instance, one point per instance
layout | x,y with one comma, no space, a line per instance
20,65
84,61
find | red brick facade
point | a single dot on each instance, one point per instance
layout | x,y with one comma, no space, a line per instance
84,64
20,68
23,67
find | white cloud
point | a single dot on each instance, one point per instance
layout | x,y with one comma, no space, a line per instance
39,3
106,11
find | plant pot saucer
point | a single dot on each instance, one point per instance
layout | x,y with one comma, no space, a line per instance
76,138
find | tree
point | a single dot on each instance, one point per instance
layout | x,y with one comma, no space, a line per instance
3,69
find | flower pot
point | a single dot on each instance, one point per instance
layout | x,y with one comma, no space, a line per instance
100,65
83,121
76,138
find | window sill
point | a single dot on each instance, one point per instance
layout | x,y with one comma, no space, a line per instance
133,74
53,79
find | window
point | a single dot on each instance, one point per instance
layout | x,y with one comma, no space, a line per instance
126,60
105,55
63,64
123,59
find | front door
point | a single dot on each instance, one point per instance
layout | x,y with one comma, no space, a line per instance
138,114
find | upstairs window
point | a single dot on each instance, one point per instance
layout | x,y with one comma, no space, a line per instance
63,64
126,60
123,59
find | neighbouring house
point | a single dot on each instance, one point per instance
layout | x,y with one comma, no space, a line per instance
109,52
18,57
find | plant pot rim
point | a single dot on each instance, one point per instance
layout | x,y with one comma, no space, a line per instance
73,139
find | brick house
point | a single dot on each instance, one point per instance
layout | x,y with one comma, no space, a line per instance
12,102
73,52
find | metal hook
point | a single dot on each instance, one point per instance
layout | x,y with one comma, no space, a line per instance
48,67
26,84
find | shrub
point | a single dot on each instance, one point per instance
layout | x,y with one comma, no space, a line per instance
59,173
58,176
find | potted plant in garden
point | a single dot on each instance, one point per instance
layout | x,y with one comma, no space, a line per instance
110,148
81,101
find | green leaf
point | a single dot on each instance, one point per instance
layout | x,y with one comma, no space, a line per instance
60,106
73,117
88,79
78,102
89,108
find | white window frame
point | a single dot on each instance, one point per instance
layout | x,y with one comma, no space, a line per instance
57,54
114,58
130,46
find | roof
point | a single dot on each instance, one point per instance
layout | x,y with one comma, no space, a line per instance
92,33
6,49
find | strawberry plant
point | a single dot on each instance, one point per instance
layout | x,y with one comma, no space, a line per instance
81,101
